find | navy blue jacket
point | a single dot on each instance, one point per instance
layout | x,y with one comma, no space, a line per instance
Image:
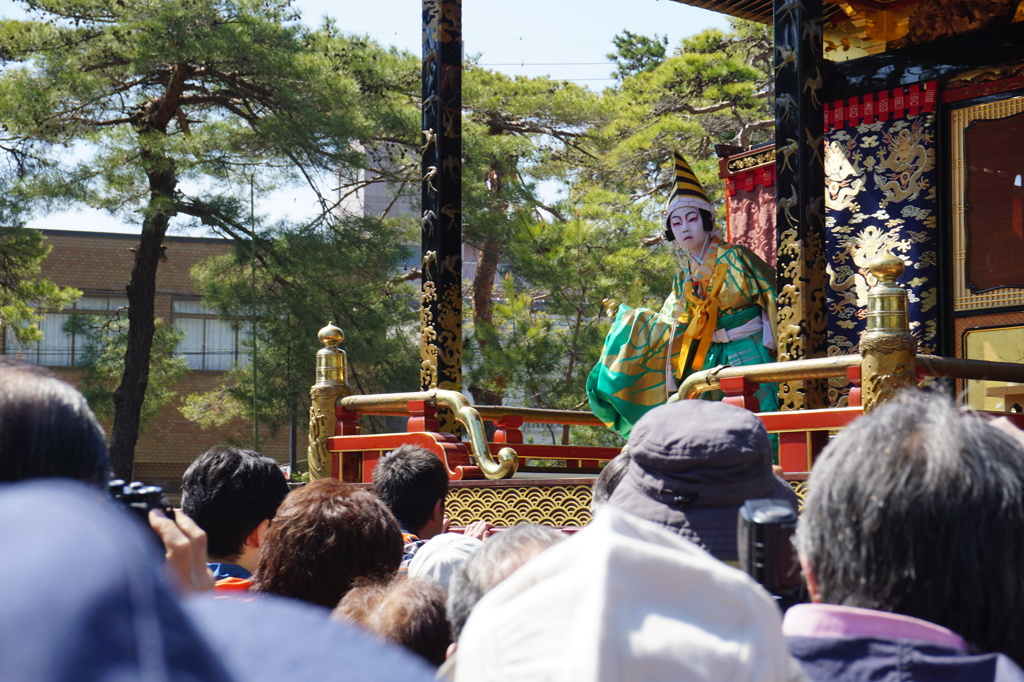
852,659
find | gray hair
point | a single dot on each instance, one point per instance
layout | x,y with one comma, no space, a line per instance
500,556
918,509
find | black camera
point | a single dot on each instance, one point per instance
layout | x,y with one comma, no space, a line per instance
765,536
139,498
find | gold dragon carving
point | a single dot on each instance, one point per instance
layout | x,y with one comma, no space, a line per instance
321,427
428,337
802,319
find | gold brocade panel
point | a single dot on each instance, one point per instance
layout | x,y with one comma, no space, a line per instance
880,195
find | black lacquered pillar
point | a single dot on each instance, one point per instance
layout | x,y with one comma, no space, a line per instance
800,194
441,302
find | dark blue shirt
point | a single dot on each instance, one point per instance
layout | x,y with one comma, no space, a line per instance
221,571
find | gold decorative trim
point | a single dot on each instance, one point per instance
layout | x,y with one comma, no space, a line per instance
321,427
449,338
982,76
801,488
801,314
449,25
739,164
428,337
881,387
546,505
887,344
960,119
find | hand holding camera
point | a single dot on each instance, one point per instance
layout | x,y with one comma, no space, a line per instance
183,541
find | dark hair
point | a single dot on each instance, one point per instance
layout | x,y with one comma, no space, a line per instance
918,509
500,556
410,480
324,536
409,612
229,492
47,429
706,218
608,479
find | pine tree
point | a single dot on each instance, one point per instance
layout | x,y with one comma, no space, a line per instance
172,112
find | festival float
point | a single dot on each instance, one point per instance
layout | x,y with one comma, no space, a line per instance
891,207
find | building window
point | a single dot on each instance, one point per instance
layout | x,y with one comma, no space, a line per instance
62,346
209,343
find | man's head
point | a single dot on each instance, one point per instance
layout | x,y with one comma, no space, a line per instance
499,558
693,465
233,494
608,480
918,509
413,483
46,428
325,536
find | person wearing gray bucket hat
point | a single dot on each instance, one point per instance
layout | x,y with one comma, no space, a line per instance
694,464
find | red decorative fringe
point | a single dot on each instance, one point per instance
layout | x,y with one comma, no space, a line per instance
915,99
747,181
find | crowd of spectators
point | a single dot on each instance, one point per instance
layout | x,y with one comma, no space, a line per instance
909,541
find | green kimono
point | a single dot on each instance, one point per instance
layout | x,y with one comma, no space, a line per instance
730,289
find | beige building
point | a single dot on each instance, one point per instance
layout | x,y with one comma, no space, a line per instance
99,264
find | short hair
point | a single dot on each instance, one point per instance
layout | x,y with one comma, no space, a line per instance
918,509
500,556
410,480
47,429
608,480
325,535
229,492
409,612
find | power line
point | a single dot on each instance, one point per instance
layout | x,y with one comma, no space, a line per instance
474,38
548,64
539,40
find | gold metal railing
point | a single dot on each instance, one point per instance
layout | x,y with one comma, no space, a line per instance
465,414
767,373
888,363
394,404
827,368
977,370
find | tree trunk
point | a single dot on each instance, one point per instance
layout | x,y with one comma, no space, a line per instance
141,292
483,322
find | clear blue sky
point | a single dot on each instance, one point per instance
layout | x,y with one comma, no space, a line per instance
563,39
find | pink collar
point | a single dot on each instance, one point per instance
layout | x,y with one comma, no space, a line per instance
829,620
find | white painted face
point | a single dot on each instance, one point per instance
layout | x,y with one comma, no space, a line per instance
688,229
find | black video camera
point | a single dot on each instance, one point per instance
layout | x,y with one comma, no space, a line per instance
765,536
139,498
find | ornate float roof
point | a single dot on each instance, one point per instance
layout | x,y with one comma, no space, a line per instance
761,10
962,34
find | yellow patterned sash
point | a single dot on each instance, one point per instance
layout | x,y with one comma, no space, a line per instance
703,321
